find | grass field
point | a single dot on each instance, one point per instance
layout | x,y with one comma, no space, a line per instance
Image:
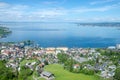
26,61
61,74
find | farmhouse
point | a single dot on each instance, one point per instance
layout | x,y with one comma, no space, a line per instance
47,75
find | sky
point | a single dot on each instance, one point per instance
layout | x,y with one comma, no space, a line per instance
60,10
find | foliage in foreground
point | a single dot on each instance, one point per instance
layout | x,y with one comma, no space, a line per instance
117,74
6,73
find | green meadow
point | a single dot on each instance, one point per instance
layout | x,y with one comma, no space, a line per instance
61,74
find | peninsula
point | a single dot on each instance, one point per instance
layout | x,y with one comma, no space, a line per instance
4,31
102,24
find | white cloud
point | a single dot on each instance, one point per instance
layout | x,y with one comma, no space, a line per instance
54,2
50,12
94,19
4,5
97,9
105,18
50,2
101,2
24,12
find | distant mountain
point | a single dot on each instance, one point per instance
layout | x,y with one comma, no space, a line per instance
107,24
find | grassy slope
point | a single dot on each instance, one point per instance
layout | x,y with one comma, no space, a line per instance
61,74
26,61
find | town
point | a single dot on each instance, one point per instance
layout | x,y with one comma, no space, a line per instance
22,58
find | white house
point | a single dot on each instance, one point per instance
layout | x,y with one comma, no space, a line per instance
118,46
47,75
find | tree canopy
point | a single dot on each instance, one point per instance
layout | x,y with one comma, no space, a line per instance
6,73
117,74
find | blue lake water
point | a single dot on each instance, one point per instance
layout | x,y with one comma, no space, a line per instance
63,34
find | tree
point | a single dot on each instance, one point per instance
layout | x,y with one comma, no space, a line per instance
69,64
46,62
88,71
117,74
6,73
62,57
24,73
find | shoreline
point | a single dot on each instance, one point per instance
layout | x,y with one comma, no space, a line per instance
4,32
32,44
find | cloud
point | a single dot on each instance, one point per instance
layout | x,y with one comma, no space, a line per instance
101,2
4,5
94,19
54,2
105,18
49,12
28,13
97,9
24,12
50,2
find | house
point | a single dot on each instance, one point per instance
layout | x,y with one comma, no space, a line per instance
76,66
47,75
96,54
118,46
92,50
112,67
39,69
5,52
57,52
88,66
33,63
30,65
12,65
62,48
111,47
80,59
107,74
3,47
90,58
104,74
50,50
111,74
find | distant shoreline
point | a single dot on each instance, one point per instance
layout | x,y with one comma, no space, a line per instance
4,32
32,44
106,24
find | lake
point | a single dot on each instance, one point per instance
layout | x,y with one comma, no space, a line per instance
62,34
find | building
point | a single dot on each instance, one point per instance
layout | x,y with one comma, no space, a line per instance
111,47
118,46
62,48
50,50
47,75
76,66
